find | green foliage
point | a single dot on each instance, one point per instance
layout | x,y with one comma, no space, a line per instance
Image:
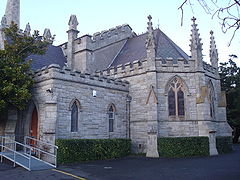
224,144
15,82
230,82
78,150
183,146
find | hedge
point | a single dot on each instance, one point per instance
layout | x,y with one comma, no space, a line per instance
224,144
78,150
183,146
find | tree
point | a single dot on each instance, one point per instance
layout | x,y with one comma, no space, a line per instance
15,79
226,11
230,82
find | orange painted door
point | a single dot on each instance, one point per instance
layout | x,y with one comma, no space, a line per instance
34,126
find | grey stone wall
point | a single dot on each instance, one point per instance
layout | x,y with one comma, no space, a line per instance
11,122
140,113
55,89
45,107
178,128
143,106
197,120
93,116
87,51
66,86
148,107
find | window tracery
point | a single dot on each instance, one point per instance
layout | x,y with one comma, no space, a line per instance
176,98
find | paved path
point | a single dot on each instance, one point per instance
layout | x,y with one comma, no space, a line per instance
139,168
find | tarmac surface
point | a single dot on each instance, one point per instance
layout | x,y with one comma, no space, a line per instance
219,167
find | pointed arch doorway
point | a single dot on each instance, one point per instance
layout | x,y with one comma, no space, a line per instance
33,130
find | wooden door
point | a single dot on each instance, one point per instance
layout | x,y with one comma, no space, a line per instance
34,125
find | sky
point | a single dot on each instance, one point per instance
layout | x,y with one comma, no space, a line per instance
98,15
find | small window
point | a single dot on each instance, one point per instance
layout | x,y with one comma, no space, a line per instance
111,117
74,117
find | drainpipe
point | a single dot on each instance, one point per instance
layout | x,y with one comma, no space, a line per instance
128,102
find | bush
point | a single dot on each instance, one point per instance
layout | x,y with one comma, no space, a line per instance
78,150
224,144
183,146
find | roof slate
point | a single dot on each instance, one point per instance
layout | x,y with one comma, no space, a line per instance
53,55
135,49
132,49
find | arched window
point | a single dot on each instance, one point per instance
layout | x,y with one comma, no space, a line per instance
180,96
211,99
171,102
176,98
111,117
74,117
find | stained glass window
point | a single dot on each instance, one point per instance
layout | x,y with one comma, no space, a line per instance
176,98
171,102
74,117
111,116
180,96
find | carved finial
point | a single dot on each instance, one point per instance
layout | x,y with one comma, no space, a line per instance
47,33
36,33
196,46
150,41
150,27
73,22
149,17
213,51
27,30
4,22
194,19
47,36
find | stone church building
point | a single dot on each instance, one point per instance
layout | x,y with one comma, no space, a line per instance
117,84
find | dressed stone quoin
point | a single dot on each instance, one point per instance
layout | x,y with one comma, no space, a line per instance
117,84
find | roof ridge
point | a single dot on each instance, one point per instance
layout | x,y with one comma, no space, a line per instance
117,54
157,36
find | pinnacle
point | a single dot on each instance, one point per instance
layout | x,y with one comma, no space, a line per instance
150,41
196,40
13,12
212,41
194,19
213,51
27,29
149,17
73,22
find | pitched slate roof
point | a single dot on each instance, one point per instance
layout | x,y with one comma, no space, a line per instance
53,55
129,51
135,49
105,55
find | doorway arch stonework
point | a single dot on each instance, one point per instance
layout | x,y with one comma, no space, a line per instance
28,119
